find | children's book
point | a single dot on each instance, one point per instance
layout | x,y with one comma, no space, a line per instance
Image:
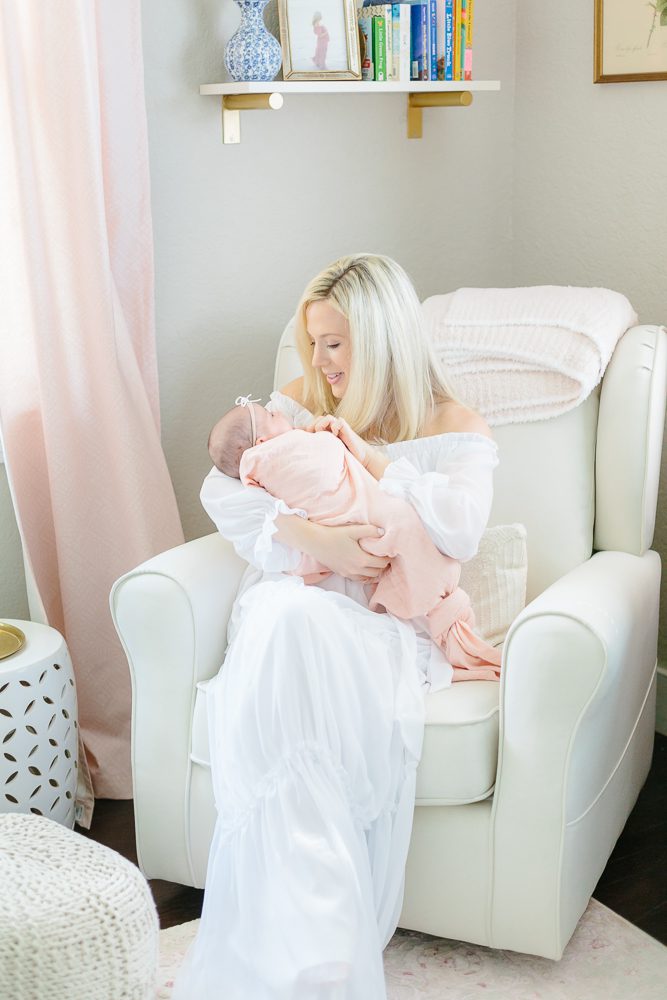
467,64
449,39
388,40
418,36
433,40
464,30
384,11
440,40
380,48
366,27
426,43
457,40
401,40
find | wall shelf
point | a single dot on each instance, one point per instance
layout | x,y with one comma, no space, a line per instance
237,97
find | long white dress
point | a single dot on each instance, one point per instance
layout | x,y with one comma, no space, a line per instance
316,725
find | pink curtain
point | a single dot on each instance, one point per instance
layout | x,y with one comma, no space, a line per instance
79,404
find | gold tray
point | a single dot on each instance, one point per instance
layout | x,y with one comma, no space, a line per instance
11,639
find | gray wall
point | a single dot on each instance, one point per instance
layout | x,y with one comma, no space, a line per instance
589,204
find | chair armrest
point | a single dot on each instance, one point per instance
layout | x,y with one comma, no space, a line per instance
171,612
629,443
578,669
171,615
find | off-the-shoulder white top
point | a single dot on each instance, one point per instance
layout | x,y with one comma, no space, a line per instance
448,479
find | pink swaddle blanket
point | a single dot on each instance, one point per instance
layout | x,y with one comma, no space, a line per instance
316,472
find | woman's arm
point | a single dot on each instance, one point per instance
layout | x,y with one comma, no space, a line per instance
335,547
453,499
246,516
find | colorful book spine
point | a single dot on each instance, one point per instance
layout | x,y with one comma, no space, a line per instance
426,42
366,27
449,39
417,38
433,40
389,41
379,49
401,40
440,40
464,31
467,64
395,42
457,39
384,11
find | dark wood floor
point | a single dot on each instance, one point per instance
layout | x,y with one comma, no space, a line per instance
633,884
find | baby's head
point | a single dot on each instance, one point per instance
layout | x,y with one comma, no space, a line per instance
242,427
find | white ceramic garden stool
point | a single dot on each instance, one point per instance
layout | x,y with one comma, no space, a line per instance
77,920
38,726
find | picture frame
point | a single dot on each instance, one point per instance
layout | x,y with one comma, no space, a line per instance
630,41
319,39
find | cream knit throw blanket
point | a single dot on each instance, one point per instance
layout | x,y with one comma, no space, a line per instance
521,354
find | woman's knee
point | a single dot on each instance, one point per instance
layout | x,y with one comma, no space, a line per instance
299,632
280,636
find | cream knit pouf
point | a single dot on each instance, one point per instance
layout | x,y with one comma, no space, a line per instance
77,920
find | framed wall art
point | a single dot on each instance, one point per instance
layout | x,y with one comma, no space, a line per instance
319,39
630,40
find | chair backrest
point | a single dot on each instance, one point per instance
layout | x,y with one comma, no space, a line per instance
585,479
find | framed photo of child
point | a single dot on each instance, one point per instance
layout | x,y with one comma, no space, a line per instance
630,40
319,39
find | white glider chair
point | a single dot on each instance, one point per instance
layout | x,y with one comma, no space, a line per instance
524,786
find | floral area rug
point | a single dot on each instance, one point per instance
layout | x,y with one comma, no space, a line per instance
606,959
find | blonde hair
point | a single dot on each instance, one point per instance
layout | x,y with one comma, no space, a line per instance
395,378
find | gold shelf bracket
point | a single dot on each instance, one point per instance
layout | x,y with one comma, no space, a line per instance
437,99
234,104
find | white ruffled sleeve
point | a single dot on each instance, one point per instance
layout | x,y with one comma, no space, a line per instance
245,515
454,500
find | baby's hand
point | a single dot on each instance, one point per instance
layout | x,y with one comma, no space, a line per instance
354,444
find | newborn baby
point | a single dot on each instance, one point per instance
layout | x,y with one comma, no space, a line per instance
243,427
316,472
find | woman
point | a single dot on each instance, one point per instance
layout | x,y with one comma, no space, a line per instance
322,35
316,719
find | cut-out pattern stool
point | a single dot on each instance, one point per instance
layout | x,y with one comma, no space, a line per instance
38,727
77,920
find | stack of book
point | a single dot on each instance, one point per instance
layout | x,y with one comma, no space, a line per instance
423,40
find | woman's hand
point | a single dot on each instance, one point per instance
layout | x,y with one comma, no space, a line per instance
339,549
336,547
362,451
342,430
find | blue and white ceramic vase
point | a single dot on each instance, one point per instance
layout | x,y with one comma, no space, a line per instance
252,53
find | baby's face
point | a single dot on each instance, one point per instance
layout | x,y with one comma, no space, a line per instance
269,425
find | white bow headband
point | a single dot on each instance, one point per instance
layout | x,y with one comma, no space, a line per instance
247,401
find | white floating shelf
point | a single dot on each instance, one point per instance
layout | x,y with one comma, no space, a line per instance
346,87
237,97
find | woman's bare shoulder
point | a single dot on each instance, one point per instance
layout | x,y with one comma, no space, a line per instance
455,417
294,390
